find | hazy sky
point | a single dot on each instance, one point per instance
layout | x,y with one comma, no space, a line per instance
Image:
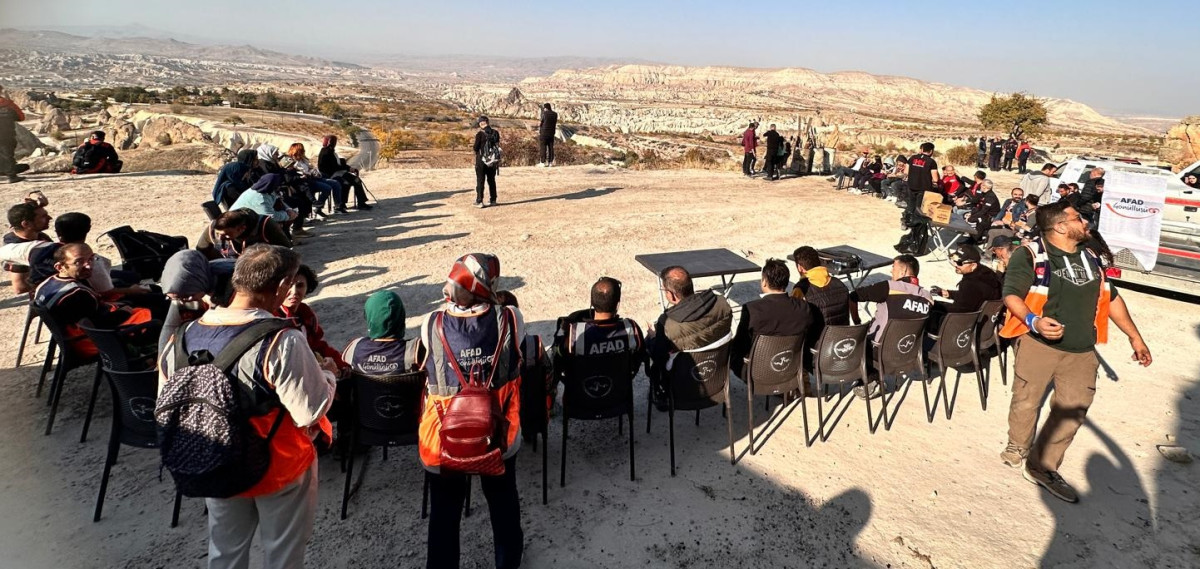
1132,57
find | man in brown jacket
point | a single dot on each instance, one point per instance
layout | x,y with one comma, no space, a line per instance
693,321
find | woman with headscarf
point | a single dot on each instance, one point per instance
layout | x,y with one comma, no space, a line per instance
384,350
268,159
235,178
296,159
188,277
263,198
336,169
472,334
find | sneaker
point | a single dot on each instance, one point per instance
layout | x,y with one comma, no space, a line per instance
1014,455
1052,482
492,203
342,209
855,192
363,206
480,205
541,164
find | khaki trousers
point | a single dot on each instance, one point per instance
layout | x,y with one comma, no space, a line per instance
284,521
1073,376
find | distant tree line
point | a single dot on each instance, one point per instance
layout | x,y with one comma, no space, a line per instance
269,101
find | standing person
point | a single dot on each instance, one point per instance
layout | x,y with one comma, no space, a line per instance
995,149
487,161
749,145
922,176
472,333
981,159
1010,152
296,389
1024,151
1059,304
10,113
771,160
1038,183
547,131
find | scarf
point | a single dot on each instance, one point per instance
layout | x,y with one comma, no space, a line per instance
385,315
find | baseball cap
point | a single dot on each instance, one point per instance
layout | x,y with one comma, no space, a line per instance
965,254
1003,241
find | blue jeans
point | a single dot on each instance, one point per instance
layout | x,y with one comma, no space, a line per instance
324,188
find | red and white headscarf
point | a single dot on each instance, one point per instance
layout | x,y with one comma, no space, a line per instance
474,274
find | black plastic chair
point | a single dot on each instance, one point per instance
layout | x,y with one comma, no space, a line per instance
595,388
211,209
900,352
30,315
955,348
840,358
697,381
134,395
387,412
67,361
990,344
115,357
535,419
773,368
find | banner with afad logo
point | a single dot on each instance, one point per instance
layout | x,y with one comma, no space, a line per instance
1132,212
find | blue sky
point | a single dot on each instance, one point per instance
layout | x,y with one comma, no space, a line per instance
1130,57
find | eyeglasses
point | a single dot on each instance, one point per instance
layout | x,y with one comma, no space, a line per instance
1076,218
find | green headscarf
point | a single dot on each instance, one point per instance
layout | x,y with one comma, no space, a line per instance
385,315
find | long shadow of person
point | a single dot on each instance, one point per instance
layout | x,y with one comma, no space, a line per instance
1112,521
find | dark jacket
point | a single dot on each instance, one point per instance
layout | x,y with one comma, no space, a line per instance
774,141
92,158
697,321
977,286
479,141
548,127
984,207
772,315
235,177
327,162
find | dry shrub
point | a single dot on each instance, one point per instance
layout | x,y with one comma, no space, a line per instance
962,155
393,141
450,141
521,149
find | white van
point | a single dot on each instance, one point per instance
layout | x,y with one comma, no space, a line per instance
1178,266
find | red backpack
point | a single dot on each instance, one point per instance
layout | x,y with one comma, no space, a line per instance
473,425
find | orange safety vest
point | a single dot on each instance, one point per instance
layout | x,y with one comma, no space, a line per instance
1039,292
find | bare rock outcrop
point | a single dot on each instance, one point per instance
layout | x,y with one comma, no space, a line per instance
1182,145
168,130
54,120
28,143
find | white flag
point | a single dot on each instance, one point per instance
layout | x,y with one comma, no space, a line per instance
1132,212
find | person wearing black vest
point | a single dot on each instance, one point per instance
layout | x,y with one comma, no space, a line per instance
775,314
825,294
900,297
979,284
483,172
995,150
772,159
599,329
547,130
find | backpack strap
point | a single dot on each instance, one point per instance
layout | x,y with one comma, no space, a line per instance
502,338
246,339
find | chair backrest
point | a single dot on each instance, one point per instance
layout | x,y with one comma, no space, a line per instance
597,386
134,395
534,416
841,353
989,322
955,345
697,380
388,407
113,352
145,252
901,345
59,333
774,363
211,209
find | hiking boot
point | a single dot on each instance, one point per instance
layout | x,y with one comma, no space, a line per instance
492,203
21,168
1052,482
1014,455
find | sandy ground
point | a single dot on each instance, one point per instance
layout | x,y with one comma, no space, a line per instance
920,495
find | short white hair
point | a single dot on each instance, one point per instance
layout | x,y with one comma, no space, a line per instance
987,185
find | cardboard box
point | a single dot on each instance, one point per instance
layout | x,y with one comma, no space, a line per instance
929,200
941,213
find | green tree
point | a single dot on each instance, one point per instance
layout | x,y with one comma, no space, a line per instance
1007,114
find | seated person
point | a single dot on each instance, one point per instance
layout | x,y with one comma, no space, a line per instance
29,221
193,284
69,298
968,190
384,350
1192,180
323,188
890,187
235,178
1011,208
900,297
229,235
979,284
95,156
600,330
35,257
294,307
827,296
952,186
1002,247
839,174
535,366
775,314
982,208
694,321
263,198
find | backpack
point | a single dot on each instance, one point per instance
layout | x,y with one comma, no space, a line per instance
472,423
916,241
490,153
145,252
203,415
840,263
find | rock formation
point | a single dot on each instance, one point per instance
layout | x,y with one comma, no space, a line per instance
54,120
168,130
1182,146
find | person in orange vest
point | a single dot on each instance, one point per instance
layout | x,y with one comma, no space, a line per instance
283,503
472,334
1059,304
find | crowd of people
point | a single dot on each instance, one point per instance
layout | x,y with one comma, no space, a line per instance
240,296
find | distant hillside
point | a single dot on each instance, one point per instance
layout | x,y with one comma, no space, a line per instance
59,42
486,68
